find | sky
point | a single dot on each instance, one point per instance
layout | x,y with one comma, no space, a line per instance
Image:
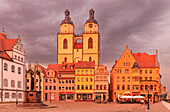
143,25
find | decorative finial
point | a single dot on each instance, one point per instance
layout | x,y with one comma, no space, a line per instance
3,29
91,6
66,6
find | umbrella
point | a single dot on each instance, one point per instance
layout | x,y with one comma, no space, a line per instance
138,97
126,97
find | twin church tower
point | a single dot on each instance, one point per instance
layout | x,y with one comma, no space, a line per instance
72,48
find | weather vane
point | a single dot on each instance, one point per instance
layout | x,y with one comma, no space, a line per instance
3,29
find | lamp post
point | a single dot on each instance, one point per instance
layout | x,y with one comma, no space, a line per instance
148,99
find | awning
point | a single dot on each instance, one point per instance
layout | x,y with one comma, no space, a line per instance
126,97
138,97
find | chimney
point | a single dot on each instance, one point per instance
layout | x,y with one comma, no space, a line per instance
115,61
156,59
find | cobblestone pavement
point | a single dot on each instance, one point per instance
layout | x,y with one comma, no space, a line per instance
86,107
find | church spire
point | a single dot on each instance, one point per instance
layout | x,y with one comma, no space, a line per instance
91,16
67,17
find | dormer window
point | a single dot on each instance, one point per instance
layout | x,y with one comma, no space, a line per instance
1,52
18,58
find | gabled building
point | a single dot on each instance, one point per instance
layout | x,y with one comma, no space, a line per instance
134,74
12,69
101,83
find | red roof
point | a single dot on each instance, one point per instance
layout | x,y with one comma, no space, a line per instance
85,64
78,46
54,67
6,44
43,69
145,60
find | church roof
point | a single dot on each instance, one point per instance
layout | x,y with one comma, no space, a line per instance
78,46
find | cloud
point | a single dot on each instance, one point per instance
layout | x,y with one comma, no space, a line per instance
142,24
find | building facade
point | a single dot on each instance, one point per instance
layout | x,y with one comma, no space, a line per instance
84,81
12,69
72,48
51,83
101,83
39,78
135,73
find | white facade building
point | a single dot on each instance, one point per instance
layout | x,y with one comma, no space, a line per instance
12,69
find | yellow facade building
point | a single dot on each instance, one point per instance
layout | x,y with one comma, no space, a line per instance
84,81
72,48
135,73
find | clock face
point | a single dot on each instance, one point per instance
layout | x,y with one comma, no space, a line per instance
90,25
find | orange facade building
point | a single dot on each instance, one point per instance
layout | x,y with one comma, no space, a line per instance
133,73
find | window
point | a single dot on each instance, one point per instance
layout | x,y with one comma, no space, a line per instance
90,71
82,79
82,72
6,95
86,86
46,87
59,88
90,59
78,79
69,81
5,66
78,71
72,88
128,79
72,81
117,79
104,87
5,83
18,58
91,79
12,83
97,87
90,86
65,44
22,59
27,87
86,79
46,80
53,80
19,70
86,71
19,95
140,71
78,86
150,71
118,87
59,81
123,79
62,88
82,86
101,87
66,88
140,78
50,88
150,78
69,88
146,71
65,59
54,87
145,78
66,81
123,87
27,80
19,84
126,71
15,56
90,43
128,87
12,68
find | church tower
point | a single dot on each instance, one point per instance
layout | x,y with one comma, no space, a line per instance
65,40
91,40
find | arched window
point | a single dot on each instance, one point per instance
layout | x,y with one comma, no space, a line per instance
12,68
19,70
90,43
89,58
65,44
5,83
12,83
65,59
5,66
19,84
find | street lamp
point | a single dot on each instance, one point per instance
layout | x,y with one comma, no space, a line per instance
148,99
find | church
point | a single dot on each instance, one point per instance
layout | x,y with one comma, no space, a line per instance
72,48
